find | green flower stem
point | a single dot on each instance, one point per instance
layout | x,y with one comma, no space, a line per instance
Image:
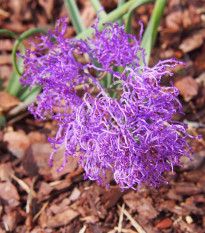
111,17
137,4
12,34
150,33
8,32
13,85
74,15
120,3
19,40
98,7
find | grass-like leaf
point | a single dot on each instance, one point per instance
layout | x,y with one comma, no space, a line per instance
150,33
98,7
128,25
74,15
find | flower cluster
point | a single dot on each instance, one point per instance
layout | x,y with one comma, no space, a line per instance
133,135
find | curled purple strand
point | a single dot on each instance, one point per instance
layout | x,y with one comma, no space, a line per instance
133,135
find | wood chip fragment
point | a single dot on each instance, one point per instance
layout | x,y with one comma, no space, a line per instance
191,43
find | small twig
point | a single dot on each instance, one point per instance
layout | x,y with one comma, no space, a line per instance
124,230
135,224
75,173
83,229
18,118
194,124
81,87
92,89
30,197
101,75
119,229
114,90
193,131
29,206
21,106
40,211
24,185
115,83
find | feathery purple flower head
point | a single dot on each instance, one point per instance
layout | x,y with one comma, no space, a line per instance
133,135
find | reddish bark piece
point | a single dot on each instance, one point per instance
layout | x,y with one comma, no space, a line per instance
36,161
174,20
165,223
88,14
10,220
6,171
7,101
5,59
75,194
9,194
192,165
200,198
62,206
62,218
36,137
185,188
16,27
18,143
191,43
44,189
71,165
62,184
199,61
47,6
201,79
39,230
188,87
6,45
193,176
171,206
173,195
113,197
143,206
1,209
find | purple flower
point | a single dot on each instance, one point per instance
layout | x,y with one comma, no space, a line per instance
133,135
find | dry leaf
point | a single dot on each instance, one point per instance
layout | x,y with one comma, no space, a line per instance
7,101
47,6
17,143
191,43
9,194
88,14
187,86
64,205
6,172
140,204
192,165
36,161
173,21
36,136
62,218
10,220
75,194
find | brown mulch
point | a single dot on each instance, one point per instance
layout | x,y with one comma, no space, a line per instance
36,198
